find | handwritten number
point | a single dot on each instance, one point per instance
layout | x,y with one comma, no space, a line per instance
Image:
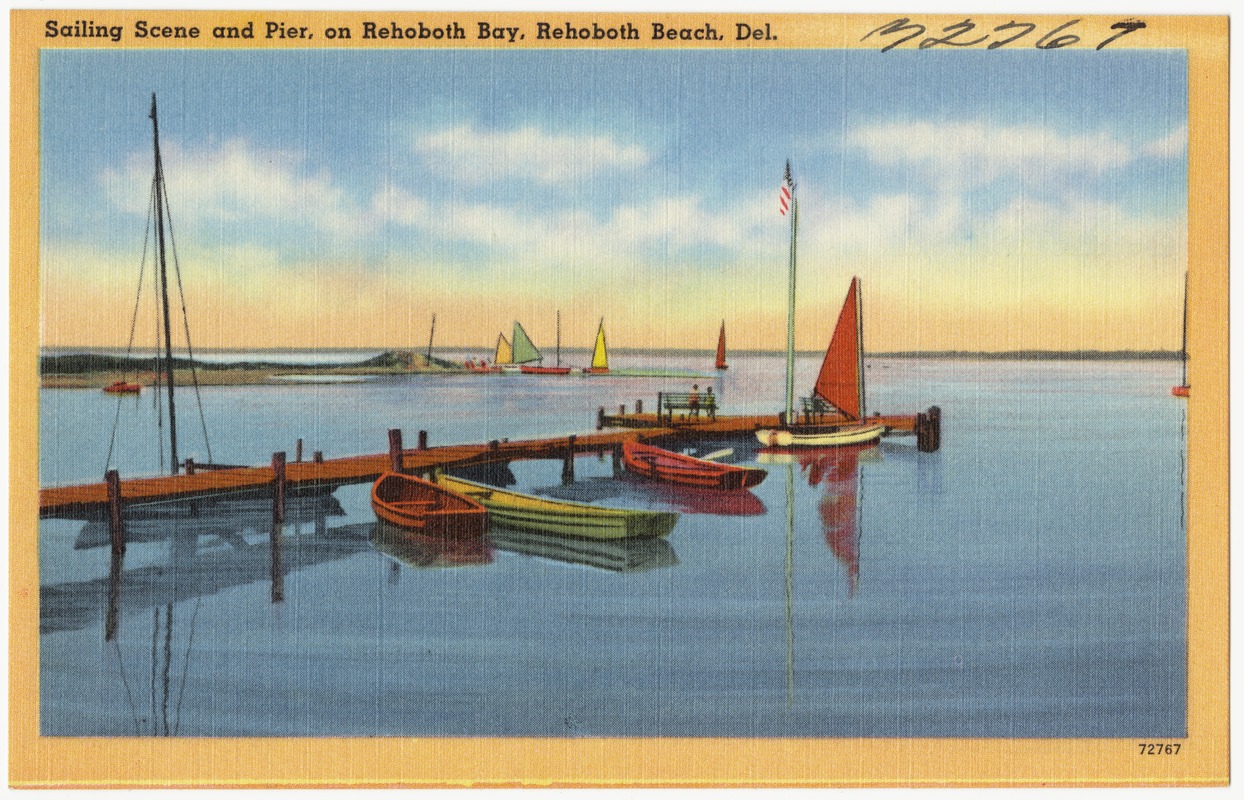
1061,41
953,34
1028,27
958,28
897,26
1124,29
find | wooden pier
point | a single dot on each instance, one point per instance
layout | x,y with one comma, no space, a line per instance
320,474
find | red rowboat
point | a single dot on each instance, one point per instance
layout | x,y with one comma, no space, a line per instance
418,505
653,462
529,370
121,387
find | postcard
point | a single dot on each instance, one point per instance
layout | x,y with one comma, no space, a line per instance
525,399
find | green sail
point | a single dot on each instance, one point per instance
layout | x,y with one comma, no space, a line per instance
524,351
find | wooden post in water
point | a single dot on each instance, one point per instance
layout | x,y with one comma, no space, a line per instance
935,427
278,572
423,440
395,449
659,407
639,406
922,433
600,418
116,526
616,453
568,463
112,617
318,457
278,488
622,410
298,452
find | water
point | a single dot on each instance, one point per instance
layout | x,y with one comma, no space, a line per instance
1025,581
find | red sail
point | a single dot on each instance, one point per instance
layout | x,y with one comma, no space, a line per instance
721,347
840,380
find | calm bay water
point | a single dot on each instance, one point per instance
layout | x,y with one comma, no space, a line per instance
1025,581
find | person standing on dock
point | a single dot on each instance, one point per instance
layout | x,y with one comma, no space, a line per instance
693,401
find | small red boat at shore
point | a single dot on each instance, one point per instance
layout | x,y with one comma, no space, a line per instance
418,505
123,387
664,465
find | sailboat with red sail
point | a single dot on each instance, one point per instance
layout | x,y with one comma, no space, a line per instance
839,389
839,386
721,347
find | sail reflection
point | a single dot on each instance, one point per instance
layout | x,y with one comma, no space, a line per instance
837,470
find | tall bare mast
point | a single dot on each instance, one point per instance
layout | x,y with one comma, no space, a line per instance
160,201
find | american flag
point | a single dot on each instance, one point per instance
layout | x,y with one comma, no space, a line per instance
788,188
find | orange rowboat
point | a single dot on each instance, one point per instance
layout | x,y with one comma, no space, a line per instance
418,505
121,387
663,465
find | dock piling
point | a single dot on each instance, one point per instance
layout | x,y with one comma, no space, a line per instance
112,618
395,449
278,572
926,437
600,418
318,457
278,488
298,452
423,440
568,463
116,526
616,453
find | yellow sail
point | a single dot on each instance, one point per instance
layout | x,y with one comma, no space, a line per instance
504,351
600,358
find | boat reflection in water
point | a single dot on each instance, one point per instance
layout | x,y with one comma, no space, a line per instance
206,555
423,551
837,470
613,555
222,517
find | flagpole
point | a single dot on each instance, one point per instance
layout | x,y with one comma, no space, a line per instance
790,309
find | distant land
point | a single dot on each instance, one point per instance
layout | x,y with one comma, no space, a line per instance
66,358
95,370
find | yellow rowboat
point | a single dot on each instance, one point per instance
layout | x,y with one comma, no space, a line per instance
526,512
816,436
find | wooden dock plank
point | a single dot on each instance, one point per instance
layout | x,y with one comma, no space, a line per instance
63,500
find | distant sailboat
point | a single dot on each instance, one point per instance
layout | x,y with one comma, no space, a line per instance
600,356
504,354
721,347
539,369
523,351
1183,389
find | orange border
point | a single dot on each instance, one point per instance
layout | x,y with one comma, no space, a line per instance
121,762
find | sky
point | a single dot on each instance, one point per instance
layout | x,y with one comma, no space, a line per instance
988,200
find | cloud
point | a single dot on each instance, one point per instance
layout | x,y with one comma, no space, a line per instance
477,156
973,153
1173,146
237,182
